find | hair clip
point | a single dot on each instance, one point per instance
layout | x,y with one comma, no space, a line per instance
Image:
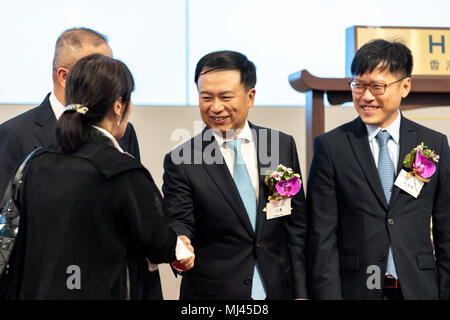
78,108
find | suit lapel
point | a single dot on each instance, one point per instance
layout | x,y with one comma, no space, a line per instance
263,190
220,174
408,141
363,154
45,120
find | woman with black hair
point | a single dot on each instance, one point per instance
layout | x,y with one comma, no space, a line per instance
86,205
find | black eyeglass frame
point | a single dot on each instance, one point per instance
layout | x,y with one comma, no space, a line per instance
370,85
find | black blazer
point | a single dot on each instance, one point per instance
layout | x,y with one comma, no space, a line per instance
34,128
92,208
203,203
351,226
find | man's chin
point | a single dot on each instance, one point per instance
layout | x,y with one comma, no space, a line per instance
369,120
225,131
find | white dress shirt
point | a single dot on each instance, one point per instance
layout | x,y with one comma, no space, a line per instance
248,150
110,137
57,107
393,143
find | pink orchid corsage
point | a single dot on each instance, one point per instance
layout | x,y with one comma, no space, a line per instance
283,183
421,163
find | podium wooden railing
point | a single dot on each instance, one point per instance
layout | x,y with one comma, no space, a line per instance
426,91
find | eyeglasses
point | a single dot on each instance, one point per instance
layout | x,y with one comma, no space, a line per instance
375,88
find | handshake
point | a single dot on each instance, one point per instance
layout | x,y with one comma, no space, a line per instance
185,255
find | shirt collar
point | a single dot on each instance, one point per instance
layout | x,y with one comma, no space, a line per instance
393,129
57,107
110,137
245,134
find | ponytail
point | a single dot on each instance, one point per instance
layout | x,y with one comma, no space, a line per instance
71,131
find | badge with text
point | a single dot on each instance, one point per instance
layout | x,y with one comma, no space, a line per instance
409,183
280,208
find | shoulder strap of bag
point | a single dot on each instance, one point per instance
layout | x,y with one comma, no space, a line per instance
10,213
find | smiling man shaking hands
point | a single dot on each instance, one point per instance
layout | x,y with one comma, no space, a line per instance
216,195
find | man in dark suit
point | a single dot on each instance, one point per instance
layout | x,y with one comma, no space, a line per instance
34,128
367,237
240,254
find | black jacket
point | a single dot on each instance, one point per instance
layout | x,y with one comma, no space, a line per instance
91,209
202,202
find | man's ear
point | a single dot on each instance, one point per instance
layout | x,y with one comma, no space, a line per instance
406,87
61,76
251,97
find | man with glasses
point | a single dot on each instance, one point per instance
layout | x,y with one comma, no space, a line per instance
368,237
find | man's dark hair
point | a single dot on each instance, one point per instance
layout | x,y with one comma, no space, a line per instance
96,82
228,60
394,56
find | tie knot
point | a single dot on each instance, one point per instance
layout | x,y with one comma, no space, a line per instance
383,137
235,144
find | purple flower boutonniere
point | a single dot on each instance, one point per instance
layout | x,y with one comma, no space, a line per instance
283,184
421,163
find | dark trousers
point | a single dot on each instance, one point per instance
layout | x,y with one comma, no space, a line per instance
391,290
392,294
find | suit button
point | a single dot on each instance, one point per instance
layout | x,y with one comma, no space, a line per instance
391,221
381,257
248,281
258,244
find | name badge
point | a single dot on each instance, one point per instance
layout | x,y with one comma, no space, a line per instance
411,184
278,208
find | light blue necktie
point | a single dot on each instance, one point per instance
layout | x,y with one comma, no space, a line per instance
387,173
248,196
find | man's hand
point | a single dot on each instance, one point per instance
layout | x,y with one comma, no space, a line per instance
188,263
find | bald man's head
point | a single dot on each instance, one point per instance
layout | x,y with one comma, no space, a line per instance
72,45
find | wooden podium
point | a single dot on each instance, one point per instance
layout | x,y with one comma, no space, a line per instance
426,91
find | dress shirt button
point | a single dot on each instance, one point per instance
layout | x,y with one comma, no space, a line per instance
390,221
381,257
248,281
